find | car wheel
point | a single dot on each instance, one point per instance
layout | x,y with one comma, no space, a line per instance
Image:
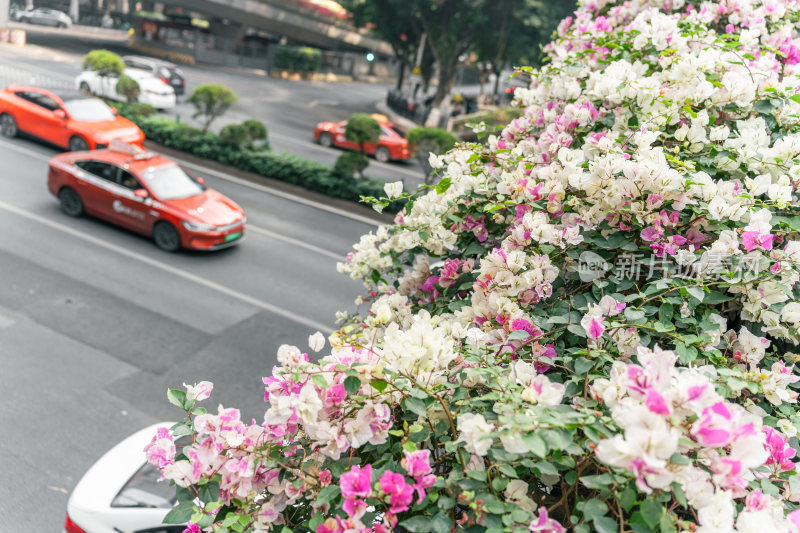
78,144
166,237
8,126
71,203
85,87
325,139
383,154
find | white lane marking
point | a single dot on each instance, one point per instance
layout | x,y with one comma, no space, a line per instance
250,227
281,194
290,240
303,320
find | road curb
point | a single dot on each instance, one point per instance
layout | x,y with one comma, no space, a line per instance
277,185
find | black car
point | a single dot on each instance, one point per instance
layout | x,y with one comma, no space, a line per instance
168,72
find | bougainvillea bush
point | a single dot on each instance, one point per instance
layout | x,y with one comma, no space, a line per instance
589,324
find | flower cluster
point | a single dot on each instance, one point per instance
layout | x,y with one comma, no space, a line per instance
492,382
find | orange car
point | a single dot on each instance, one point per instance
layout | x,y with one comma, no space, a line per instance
65,117
391,145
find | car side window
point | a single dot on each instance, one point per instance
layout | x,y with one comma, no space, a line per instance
127,180
39,99
99,169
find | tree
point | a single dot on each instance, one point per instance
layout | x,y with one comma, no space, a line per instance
516,34
128,88
211,100
104,62
351,164
425,141
395,21
362,128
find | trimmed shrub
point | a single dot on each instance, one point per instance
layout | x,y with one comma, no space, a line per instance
351,164
245,135
280,166
303,59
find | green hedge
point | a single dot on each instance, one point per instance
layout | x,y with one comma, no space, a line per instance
280,166
303,59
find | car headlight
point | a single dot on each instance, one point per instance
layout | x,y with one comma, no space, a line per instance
191,226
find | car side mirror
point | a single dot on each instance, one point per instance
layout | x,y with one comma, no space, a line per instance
114,110
141,193
59,113
201,181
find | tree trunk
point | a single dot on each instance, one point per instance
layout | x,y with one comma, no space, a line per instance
446,72
401,76
496,82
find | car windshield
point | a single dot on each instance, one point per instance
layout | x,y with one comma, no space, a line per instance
89,109
144,489
170,183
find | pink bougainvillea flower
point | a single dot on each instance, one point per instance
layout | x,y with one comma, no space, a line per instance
753,239
357,483
545,524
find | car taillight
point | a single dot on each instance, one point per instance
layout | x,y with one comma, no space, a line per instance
165,80
71,527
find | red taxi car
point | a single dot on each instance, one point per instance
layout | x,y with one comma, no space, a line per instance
146,193
67,118
391,145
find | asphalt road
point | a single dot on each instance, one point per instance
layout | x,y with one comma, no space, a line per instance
289,109
96,323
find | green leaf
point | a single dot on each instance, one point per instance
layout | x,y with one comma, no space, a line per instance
546,468
379,385
795,97
680,497
697,293
687,354
535,444
599,481
180,514
583,365
665,313
577,330
594,508
352,384
479,475
209,492
441,523
176,397
508,470
499,484
320,381
628,498
327,494
651,512
606,524
443,185
418,524
415,405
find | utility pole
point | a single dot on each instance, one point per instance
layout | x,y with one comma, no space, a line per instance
3,13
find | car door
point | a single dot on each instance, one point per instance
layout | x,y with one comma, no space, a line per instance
96,185
37,116
129,210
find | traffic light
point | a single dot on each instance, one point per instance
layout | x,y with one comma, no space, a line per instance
370,56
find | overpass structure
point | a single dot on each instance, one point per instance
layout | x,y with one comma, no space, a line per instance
230,18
